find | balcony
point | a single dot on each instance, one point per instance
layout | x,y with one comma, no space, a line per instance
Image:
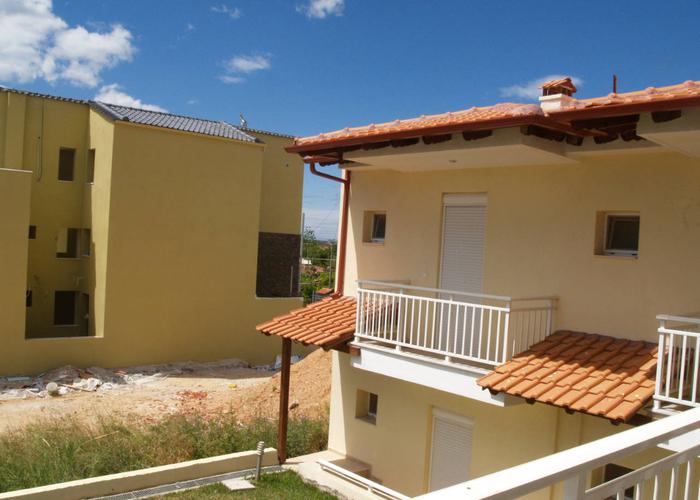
678,364
440,337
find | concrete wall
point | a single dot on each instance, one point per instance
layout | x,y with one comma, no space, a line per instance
540,235
15,188
174,220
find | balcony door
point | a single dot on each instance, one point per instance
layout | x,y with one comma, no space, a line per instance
462,263
451,449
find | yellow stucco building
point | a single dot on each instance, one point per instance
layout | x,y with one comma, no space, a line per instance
507,265
130,236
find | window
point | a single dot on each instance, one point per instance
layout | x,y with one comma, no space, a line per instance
617,234
64,308
84,314
90,178
66,164
613,471
374,227
29,298
366,406
67,243
85,242
32,232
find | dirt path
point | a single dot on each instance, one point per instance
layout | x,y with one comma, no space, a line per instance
247,392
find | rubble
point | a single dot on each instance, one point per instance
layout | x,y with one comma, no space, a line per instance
68,379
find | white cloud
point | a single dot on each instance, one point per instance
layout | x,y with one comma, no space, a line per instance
231,79
531,89
113,94
190,27
35,43
247,64
241,65
232,12
320,9
192,102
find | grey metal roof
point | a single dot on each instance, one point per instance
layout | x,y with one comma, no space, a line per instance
175,122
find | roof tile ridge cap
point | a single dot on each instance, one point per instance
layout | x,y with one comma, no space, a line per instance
105,107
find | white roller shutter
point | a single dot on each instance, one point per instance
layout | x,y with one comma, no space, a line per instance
462,263
451,453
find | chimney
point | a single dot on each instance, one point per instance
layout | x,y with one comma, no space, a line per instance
557,94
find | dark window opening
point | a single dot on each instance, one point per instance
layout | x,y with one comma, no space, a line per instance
32,232
86,235
66,164
366,405
90,178
378,228
67,244
64,308
84,314
29,298
622,235
613,471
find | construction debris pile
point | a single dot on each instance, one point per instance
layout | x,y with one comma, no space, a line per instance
67,379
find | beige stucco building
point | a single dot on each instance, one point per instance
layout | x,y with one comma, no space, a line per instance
130,236
472,238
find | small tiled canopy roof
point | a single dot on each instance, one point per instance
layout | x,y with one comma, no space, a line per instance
595,374
326,323
560,82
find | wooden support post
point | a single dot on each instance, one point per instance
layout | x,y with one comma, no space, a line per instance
284,400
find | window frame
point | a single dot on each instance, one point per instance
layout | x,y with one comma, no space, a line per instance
610,217
72,172
375,225
66,255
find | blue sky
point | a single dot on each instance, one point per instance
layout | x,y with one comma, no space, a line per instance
308,66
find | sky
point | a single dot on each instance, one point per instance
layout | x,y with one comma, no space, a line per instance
307,66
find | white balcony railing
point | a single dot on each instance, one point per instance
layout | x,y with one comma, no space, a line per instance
678,363
673,477
457,326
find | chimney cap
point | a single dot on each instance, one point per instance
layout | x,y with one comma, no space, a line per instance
559,86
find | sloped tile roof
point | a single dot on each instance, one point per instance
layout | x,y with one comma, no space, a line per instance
175,122
506,114
595,374
325,323
669,93
472,115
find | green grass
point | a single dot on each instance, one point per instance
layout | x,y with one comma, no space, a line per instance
65,450
274,486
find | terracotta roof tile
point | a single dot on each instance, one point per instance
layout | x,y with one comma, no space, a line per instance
503,115
594,374
467,116
669,93
325,323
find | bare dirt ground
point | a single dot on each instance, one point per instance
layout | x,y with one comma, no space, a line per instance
245,392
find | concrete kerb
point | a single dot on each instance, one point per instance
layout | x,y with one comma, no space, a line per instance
145,478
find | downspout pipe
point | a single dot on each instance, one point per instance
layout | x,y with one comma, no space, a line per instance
343,230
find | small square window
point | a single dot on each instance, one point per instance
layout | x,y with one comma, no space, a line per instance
617,234
85,242
374,230
66,164
67,243
32,232
366,406
90,178
64,308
